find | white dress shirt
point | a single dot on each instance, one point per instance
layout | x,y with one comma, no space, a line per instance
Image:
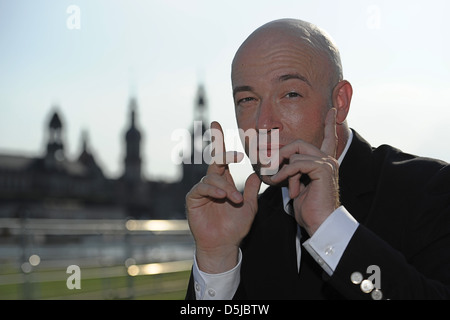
326,246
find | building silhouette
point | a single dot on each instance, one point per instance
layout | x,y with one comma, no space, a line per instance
53,186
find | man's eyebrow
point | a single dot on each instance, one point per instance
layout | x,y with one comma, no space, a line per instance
281,78
294,76
242,88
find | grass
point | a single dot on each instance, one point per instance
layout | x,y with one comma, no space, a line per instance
169,286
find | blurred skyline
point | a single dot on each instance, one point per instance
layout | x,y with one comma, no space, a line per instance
395,54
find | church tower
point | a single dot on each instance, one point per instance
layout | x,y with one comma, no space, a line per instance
134,192
200,107
87,159
55,148
133,148
195,168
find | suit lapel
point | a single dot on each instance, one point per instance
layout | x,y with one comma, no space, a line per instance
356,178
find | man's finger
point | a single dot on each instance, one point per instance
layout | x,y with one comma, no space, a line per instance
329,143
221,161
217,139
220,182
218,152
298,147
203,190
251,190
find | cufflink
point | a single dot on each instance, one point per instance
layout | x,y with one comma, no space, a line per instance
376,294
356,277
366,285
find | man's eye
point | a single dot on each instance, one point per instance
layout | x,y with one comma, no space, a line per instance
247,99
293,95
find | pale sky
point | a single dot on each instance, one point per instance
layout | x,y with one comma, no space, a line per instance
395,54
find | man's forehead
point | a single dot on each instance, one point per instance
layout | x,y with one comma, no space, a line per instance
290,63
291,56
268,45
299,67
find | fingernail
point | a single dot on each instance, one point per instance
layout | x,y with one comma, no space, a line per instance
237,196
221,193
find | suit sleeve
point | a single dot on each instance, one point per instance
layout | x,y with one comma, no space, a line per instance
404,228
426,275
190,292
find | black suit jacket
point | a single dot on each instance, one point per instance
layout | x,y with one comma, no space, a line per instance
402,203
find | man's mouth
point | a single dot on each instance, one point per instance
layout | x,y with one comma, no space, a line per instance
267,150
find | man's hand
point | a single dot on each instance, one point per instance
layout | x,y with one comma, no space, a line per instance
219,216
314,202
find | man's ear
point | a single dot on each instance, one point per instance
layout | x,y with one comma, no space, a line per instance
342,96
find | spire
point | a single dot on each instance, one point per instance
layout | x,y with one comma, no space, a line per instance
84,140
85,155
55,148
55,129
133,146
193,170
133,135
133,107
55,122
200,107
87,158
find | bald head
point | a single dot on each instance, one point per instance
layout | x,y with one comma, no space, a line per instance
313,44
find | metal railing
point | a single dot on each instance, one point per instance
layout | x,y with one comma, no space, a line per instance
117,258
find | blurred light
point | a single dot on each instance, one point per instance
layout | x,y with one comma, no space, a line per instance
157,225
133,270
131,225
34,260
129,262
26,267
158,268
153,268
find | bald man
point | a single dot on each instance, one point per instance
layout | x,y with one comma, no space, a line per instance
340,220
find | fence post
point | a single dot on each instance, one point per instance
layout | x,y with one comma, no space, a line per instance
25,266
128,253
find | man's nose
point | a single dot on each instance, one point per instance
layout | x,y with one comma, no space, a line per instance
267,117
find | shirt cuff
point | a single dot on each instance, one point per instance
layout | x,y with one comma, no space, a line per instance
328,243
220,286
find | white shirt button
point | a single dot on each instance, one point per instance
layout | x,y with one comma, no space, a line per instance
211,292
197,286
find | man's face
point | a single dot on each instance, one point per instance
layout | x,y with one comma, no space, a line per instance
281,84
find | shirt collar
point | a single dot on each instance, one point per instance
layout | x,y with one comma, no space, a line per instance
285,191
